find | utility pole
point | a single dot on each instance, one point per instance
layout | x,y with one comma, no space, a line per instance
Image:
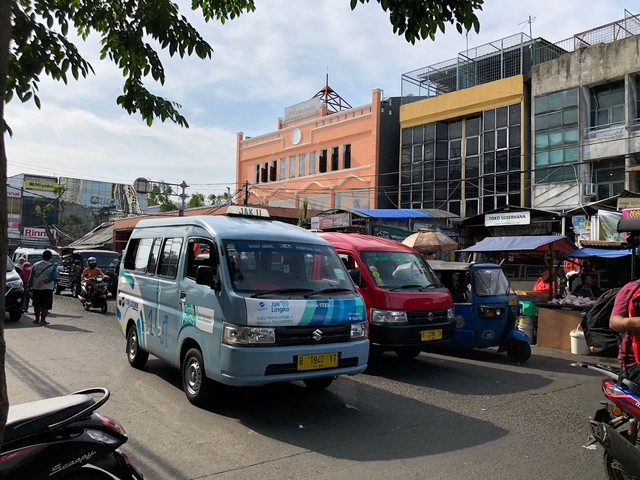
183,196
246,192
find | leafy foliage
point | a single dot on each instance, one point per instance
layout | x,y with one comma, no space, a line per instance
215,200
421,19
196,200
159,195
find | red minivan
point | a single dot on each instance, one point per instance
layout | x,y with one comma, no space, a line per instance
407,307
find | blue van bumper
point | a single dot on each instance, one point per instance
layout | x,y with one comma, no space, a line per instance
253,366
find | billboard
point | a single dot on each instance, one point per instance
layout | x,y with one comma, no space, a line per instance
96,195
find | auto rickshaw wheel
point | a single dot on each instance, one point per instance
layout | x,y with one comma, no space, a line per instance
518,351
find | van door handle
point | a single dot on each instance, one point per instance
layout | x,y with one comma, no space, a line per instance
183,296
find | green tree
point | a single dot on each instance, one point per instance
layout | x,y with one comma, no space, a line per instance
303,212
160,194
215,200
196,200
33,42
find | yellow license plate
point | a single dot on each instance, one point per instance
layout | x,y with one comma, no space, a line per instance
428,335
317,361
512,301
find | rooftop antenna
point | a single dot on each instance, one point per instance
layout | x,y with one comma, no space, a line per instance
330,99
530,21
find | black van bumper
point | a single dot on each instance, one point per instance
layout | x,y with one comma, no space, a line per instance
391,337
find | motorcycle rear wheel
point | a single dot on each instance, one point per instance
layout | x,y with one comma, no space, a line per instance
614,469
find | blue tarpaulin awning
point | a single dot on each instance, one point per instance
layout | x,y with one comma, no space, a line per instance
599,252
534,243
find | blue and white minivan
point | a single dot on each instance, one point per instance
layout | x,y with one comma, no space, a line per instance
240,300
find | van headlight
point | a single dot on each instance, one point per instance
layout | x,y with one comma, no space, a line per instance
388,316
14,284
236,335
359,330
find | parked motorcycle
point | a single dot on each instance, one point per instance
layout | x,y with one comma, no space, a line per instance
64,437
93,293
615,424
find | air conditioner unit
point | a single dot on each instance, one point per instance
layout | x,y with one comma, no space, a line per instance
590,189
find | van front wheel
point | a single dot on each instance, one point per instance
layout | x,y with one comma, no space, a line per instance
198,388
136,356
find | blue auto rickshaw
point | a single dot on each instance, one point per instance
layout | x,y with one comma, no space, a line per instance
486,308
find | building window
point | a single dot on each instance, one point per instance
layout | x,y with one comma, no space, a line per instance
273,171
335,165
264,173
608,175
302,160
607,104
292,166
312,163
283,169
346,157
323,161
556,136
256,176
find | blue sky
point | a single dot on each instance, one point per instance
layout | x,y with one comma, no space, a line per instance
262,62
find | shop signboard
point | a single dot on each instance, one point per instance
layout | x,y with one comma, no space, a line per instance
335,220
302,109
41,184
581,224
507,219
32,232
391,233
628,202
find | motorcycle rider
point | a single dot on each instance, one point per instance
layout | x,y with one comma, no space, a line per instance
89,273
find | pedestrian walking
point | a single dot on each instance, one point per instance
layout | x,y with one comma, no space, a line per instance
25,274
43,276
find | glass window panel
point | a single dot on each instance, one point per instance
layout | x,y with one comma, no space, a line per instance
514,182
455,149
571,154
570,98
441,192
471,190
471,208
489,141
501,161
455,130
501,183
514,136
514,159
489,120
570,116
442,131
473,126
541,104
429,132
555,138
416,173
473,146
489,163
406,136
617,114
454,207
472,168
501,117
514,114
302,164
283,169
428,151
514,199
405,176
312,162
406,156
442,150
416,193
418,134
455,192
488,204
602,118
441,171
292,166
417,153
427,171
555,101
542,159
555,120
455,169
541,122
501,138
570,135
556,156
501,201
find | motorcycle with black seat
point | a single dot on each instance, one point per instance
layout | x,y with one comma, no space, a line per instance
93,293
64,437
615,423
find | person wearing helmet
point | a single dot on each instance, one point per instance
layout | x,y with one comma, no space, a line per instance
90,272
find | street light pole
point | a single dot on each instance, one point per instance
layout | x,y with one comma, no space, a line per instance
143,185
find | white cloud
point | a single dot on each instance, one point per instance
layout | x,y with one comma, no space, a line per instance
262,62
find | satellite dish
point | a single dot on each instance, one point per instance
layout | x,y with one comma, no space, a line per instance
142,185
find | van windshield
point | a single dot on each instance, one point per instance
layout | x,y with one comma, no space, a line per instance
392,270
262,268
104,259
490,281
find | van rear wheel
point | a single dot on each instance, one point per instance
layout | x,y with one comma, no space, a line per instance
136,356
197,387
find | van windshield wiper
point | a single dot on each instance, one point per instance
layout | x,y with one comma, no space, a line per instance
328,290
280,290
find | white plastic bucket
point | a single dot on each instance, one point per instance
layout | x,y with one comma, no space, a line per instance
528,326
578,342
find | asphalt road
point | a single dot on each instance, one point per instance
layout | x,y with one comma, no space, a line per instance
440,416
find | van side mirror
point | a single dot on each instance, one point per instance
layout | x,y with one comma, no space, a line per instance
356,276
205,276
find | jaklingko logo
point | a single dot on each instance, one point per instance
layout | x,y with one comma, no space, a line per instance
279,307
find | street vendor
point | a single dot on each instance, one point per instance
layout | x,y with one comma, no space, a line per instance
587,288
